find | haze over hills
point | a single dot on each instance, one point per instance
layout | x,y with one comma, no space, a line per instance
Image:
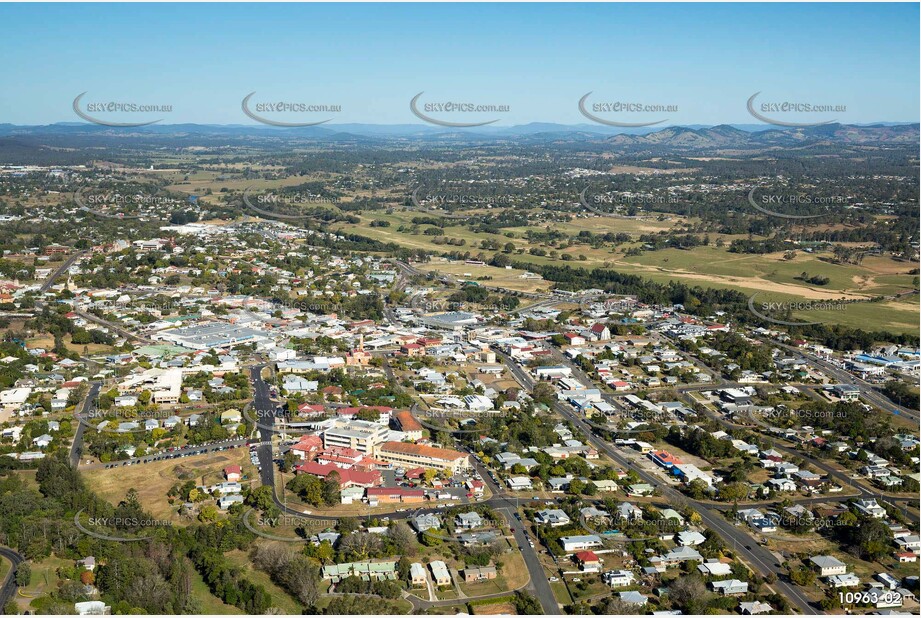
56,143
407,130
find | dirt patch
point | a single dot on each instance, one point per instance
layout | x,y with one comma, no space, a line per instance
494,610
752,283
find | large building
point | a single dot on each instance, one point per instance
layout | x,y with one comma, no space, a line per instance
408,424
362,436
415,455
211,336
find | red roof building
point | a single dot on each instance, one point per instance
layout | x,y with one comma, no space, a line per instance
347,478
587,557
394,494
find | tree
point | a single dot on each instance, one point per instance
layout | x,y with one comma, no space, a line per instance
208,514
324,552
404,567
360,545
23,574
526,604
686,589
404,538
544,393
733,492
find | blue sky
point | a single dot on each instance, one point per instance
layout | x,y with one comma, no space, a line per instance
538,59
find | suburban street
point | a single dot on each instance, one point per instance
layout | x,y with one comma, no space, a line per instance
9,587
263,406
76,447
741,542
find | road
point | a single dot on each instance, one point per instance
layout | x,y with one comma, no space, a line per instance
264,408
842,476
181,452
742,543
76,447
9,584
60,270
868,391
127,334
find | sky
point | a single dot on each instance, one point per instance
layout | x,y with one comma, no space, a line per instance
705,60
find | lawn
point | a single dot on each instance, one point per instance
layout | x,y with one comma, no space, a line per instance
495,609
210,604
768,275
512,576
508,278
561,593
44,579
280,598
153,480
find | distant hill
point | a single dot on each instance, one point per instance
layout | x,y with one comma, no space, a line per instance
728,137
74,143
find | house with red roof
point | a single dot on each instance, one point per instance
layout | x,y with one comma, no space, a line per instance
664,459
574,339
412,349
307,447
347,478
233,473
310,409
588,561
600,331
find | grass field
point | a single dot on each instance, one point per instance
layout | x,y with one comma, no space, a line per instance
708,267
90,349
280,598
210,604
153,480
495,609
512,576
508,278
44,580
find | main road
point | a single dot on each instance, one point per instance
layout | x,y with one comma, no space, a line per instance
867,390
264,412
76,447
761,559
9,584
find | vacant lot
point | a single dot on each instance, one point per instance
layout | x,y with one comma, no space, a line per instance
496,609
153,480
508,278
